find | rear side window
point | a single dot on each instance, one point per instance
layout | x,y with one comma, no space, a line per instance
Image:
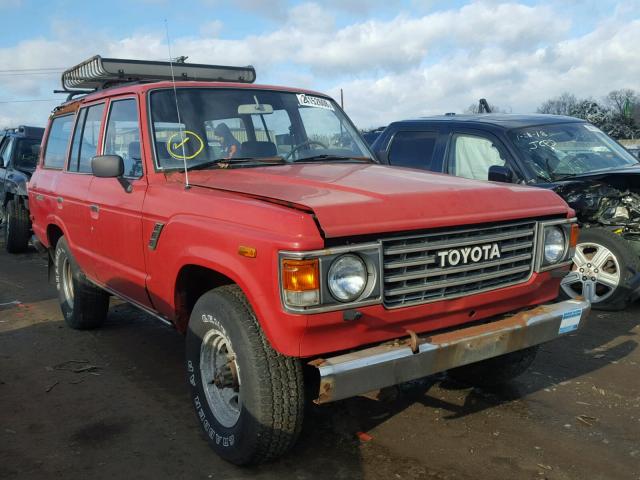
123,136
87,147
413,149
57,142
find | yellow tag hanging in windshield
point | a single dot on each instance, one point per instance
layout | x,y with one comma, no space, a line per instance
177,146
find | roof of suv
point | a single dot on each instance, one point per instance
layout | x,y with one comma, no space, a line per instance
24,131
501,120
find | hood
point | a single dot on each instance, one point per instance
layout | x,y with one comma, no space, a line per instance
358,199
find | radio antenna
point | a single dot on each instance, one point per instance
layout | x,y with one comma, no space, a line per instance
175,96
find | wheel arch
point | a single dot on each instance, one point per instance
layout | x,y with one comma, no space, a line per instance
54,233
192,281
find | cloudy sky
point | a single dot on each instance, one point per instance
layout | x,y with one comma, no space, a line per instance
393,59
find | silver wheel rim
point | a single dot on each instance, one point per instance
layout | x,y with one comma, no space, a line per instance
595,273
67,281
220,377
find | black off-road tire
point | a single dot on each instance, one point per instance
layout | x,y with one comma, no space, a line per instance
628,262
271,386
88,305
17,227
495,371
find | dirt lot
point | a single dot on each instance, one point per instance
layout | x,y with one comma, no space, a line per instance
112,403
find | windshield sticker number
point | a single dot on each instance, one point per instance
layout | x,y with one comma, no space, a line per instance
542,143
179,141
311,101
591,128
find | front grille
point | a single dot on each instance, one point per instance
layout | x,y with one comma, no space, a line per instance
418,270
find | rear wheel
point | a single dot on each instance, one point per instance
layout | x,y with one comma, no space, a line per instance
603,266
249,399
17,227
84,306
495,371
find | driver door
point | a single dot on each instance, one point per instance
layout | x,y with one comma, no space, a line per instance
115,214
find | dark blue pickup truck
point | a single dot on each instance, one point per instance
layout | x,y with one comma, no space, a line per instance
593,173
19,148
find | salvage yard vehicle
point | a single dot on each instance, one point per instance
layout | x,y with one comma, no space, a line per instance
594,174
284,252
19,149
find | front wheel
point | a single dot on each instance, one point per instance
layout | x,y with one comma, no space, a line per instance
249,399
603,267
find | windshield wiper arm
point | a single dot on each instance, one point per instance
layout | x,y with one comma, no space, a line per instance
321,158
237,160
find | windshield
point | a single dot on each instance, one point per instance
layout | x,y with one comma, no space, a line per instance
564,150
218,125
26,154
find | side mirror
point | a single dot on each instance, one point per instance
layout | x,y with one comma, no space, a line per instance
110,166
499,173
107,166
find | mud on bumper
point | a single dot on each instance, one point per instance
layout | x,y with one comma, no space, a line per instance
389,364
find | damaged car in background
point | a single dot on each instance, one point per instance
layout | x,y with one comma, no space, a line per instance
593,173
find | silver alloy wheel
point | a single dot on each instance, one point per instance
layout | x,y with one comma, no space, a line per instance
595,273
220,377
67,281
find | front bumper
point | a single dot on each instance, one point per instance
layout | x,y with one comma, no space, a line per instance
389,364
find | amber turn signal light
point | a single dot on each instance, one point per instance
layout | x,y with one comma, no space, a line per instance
575,233
300,275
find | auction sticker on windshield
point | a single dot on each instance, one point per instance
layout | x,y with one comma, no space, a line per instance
182,142
311,101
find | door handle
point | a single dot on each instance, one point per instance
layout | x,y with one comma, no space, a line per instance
94,208
39,197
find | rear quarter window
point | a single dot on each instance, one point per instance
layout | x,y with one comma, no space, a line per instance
413,149
55,152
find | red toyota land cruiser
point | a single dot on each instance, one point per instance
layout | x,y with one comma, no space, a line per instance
255,220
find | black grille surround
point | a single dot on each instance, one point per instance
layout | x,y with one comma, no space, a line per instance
417,268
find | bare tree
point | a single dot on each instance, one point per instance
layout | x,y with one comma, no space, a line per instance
563,104
622,102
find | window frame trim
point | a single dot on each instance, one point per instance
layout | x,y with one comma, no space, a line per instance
63,168
105,126
86,106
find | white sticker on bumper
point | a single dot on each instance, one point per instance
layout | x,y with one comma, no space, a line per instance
570,321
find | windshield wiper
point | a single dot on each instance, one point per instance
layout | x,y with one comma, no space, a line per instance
322,158
224,162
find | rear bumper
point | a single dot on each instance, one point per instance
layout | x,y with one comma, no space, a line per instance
388,364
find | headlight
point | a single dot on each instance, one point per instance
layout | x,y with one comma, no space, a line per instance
554,245
347,277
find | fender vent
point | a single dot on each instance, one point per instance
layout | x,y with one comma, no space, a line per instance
155,235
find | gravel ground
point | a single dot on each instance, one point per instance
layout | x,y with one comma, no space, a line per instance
112,403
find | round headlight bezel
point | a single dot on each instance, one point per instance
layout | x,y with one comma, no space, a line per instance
336,290
554,252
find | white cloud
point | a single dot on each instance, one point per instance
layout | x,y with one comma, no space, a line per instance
212,29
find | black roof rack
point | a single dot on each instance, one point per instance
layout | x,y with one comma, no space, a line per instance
98,73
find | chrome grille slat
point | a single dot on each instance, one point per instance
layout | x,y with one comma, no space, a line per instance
413,273
436,285
450,271
474,241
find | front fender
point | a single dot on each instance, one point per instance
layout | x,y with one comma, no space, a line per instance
213,244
